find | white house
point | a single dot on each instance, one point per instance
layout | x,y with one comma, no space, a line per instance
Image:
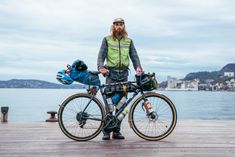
174,84
229,74
171,82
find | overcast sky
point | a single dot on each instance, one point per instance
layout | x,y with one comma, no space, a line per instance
39,37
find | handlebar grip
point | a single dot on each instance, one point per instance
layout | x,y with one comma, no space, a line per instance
106,74
138,79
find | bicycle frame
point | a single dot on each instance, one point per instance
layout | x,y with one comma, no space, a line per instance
101,88
124,105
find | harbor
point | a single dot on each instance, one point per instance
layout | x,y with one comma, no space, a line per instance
164,67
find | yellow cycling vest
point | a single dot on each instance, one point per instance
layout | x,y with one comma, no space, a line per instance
118,53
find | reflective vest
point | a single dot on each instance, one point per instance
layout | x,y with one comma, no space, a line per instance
118,53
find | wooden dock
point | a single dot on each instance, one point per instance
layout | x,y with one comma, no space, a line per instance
190,139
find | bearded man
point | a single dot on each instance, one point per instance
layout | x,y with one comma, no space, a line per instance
116,49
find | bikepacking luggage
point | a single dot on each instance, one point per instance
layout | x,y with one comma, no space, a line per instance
120,87
79,72
147,81
116,94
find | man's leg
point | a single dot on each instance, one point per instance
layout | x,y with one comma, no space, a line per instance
109,110
116,133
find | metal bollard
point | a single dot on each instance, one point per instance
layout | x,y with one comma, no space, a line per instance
4,113
52,116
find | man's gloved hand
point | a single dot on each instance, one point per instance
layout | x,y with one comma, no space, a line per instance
138,71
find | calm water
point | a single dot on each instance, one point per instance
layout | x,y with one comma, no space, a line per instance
32,104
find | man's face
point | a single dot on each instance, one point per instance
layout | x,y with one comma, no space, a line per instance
119,26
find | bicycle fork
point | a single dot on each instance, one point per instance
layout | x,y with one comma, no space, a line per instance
147,107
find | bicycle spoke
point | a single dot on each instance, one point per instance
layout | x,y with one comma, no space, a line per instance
78,124
153,128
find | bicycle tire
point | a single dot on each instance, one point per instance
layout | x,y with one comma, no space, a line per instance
157,135
78,99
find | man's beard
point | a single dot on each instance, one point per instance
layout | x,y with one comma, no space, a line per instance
119,33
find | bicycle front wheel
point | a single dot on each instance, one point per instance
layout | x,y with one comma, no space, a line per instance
160,125
80,117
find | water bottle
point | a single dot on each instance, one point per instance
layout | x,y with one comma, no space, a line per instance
121,102
110,104
148,107
123,114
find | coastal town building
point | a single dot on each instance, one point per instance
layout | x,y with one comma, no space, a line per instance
175,84
224,83
229,74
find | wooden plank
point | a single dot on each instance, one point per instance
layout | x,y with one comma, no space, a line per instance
190,138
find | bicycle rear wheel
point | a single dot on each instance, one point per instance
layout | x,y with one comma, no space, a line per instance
77,123
161,125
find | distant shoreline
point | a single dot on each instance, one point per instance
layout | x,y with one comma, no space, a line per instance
160,90
40,88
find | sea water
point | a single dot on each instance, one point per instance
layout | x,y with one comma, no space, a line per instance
27,105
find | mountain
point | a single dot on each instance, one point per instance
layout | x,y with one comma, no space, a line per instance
28,83
202,75
227,68
214,75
